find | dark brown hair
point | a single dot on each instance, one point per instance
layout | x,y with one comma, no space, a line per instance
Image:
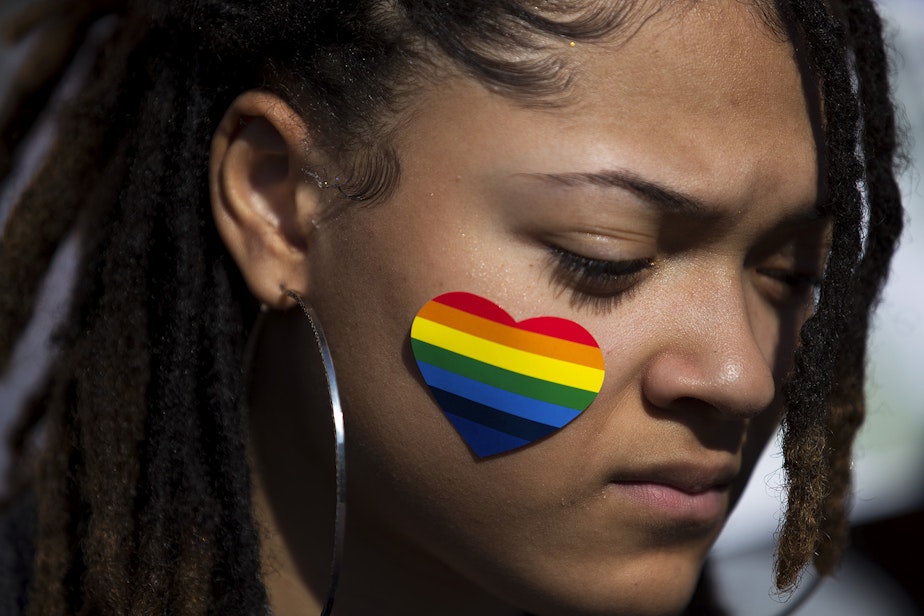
143,474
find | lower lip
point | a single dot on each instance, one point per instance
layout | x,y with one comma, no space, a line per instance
705,506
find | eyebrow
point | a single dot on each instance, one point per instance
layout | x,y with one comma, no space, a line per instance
659,196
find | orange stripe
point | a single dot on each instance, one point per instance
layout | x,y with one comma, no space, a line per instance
523,340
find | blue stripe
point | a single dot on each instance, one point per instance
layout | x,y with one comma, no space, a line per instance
498,420
496,398
482,440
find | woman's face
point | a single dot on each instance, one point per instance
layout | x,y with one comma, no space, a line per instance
688,145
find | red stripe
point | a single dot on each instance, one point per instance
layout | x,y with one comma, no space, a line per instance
548,326
477,305
559,328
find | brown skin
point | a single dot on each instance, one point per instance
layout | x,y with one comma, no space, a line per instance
703,102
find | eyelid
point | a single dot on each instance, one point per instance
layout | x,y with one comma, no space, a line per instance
787,285
598,283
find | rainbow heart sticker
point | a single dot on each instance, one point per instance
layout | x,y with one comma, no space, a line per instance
504,384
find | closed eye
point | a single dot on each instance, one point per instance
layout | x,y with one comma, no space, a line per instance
789,284
598,283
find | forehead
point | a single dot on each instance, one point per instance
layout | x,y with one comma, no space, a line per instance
703,95
706,83
697,59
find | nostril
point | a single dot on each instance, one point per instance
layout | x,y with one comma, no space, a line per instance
714,429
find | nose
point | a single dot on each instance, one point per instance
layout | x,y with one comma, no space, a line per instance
712,354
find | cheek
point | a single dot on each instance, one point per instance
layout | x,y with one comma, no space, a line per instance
370,279
410,474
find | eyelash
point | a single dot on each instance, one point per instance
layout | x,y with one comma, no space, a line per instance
791,278
601,284
596,283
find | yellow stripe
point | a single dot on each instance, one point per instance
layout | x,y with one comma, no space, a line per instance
515,360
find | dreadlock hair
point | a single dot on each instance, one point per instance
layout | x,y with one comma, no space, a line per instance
143,481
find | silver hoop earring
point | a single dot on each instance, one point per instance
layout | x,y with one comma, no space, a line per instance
339,448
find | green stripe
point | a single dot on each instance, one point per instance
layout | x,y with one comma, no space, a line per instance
537,389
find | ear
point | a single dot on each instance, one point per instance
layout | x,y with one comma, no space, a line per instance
262,200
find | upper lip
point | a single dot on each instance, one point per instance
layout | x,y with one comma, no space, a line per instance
688,476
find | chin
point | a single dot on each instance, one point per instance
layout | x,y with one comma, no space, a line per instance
656,586
667,600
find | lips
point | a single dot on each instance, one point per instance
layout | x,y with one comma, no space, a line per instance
692,492
688,478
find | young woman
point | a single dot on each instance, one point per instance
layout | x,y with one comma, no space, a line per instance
688,206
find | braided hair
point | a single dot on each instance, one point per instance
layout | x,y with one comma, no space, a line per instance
143,482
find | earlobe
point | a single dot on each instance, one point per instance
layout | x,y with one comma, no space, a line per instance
261,204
